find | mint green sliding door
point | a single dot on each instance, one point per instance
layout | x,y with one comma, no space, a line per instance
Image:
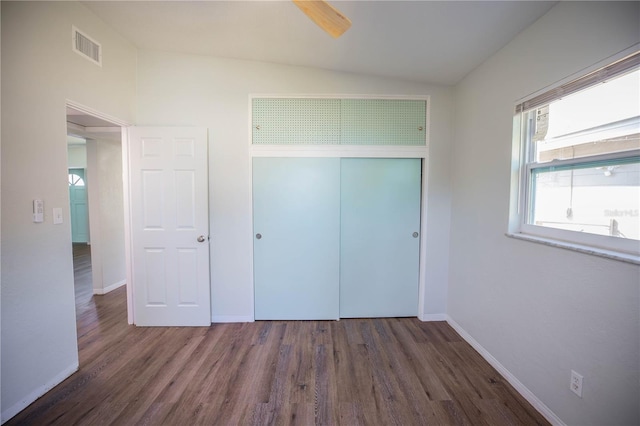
380,222
296,210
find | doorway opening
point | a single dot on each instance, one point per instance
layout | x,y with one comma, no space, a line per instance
96,203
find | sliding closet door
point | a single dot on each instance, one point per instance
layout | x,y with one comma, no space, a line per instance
380,221
296,211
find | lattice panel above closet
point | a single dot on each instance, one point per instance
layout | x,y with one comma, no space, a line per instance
304,121
383,122
296,121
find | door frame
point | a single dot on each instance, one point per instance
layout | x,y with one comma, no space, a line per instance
125,171
350,151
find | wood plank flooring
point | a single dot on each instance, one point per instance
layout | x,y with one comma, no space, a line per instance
82,277
392,371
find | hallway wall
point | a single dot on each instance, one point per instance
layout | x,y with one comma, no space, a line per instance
40,73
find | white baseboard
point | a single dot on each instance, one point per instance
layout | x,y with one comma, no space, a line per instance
519,387
432,317
231,318
109,288
27,400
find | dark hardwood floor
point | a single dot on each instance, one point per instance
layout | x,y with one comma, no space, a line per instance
82,277
392,371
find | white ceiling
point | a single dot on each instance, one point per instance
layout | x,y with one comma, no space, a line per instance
425,41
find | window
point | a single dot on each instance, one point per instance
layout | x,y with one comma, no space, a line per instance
580,160
75,180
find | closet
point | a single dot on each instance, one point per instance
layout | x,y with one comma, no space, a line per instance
336,236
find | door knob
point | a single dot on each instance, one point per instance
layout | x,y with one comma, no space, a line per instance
201,239
258,236
415,235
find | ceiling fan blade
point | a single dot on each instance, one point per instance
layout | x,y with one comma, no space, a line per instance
325,16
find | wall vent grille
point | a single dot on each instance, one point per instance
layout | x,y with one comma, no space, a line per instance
86,46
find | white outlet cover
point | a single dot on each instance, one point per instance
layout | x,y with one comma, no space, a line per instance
576,383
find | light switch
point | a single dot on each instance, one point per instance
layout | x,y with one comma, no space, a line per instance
57,215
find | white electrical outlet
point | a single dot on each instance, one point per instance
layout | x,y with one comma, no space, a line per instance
576,383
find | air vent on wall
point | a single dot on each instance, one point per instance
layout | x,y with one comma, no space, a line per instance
86,46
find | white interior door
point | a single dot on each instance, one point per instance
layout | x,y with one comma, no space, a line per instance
169,226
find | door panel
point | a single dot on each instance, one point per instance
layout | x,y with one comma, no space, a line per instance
78,206
169,211
295,121
296,205
380,211
383,122
155,278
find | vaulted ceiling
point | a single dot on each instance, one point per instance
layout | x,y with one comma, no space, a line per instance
436,42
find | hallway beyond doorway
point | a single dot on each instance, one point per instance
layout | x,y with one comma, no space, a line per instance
82,278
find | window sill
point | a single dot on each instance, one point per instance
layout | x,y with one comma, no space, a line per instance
595,251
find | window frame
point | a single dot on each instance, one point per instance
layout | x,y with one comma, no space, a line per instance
524,164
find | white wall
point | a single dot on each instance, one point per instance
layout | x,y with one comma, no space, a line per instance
106,214
185,90
541,311
77,156
39,73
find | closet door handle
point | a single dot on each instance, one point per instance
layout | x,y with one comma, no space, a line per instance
258,236
415,235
